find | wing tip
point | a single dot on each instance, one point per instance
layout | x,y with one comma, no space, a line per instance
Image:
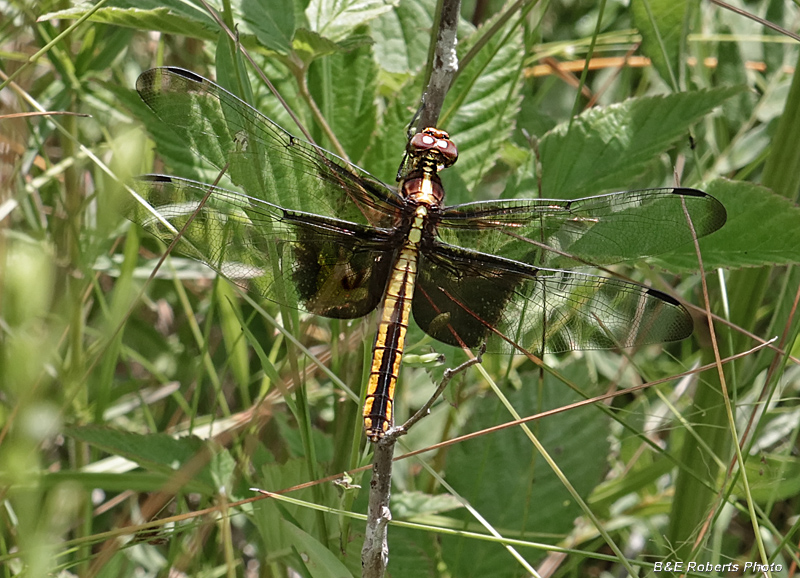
188,74
154,178
155,76
716,215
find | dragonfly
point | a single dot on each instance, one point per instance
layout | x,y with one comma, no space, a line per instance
306,229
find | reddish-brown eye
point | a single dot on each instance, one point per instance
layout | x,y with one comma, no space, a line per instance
433,138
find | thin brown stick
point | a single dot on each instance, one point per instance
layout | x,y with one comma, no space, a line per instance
444,63
449,374
375,552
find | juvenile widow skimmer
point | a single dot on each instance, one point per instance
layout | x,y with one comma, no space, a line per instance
314,232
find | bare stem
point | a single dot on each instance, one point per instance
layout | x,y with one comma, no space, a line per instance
375,552
443,63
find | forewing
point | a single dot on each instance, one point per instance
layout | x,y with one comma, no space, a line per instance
597,230
327,266
465,299
259,156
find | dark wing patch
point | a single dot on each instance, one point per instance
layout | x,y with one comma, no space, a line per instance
326,266
465,298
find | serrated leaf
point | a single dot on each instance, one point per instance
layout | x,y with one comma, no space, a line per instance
337,19
481,107
661,24
309,45
504,478
271,21
762,229
170,17
402,37
606,147
349,107
384,154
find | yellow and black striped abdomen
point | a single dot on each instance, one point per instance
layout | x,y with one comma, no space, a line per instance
387,352
423,188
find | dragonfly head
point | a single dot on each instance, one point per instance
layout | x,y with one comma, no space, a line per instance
434,144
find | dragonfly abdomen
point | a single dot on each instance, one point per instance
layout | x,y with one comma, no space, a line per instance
387,352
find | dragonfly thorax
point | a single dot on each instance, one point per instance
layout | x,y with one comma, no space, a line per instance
428,152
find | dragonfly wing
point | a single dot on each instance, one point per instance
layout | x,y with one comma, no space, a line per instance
327,266
465,299
597,230
259,156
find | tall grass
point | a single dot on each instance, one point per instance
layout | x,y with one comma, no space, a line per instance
137,414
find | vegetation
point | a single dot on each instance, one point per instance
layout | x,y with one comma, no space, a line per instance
137,415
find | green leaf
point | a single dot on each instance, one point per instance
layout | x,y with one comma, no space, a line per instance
349,107
230,311
223,470
645,473
268,514
385,152
231,67
762,229
156,452
408,505
169,17
772,477
114,480
410,554
318,559
504,478
661,24
310,46
481,106
337,20
402,36
606,148
271,21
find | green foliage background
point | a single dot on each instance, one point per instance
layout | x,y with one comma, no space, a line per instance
133,415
